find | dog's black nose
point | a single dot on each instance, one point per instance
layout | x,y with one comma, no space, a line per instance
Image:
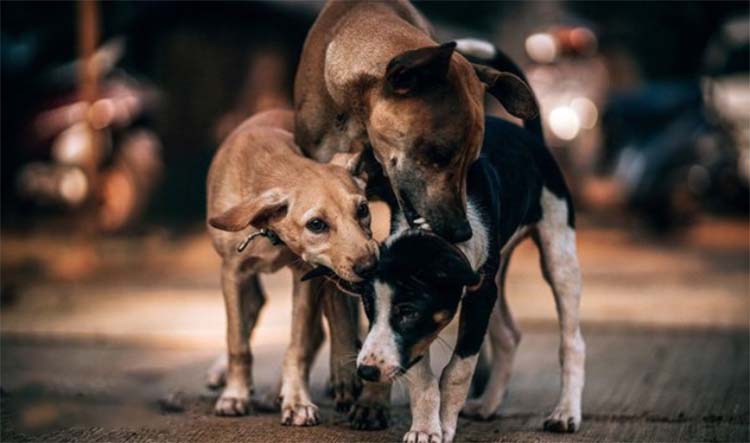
461,233
366,267
369,373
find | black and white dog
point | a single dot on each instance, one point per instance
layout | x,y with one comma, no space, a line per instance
515,190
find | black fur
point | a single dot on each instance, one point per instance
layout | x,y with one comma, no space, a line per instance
505,186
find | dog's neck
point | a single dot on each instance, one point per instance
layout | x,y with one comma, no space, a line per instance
475,249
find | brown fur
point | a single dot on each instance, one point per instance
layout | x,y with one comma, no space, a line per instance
353,88
258,179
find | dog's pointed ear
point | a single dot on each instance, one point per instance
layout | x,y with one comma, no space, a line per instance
418,69
428,258
258,211
515,95
352,162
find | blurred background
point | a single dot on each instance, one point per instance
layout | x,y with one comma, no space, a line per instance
111,112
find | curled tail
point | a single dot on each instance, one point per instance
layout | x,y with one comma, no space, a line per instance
485,53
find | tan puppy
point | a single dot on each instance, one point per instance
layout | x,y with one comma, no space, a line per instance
258,180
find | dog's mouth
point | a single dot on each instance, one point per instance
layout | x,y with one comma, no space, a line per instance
401,370
319,271
344,285
412,216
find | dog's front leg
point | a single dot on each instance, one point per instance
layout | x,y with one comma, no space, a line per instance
243,297
476,308
297,408
340,311
424,398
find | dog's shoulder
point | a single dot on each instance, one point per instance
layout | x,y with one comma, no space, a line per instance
524,163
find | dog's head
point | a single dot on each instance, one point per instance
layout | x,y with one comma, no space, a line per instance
322,215
426,125
415,293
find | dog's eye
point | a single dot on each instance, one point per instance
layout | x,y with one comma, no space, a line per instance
317,226
439,155
406,314
363,211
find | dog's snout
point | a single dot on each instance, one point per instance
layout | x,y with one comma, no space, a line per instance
365,267
369,373
460,233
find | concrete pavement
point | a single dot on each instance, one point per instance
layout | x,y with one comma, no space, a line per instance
86,355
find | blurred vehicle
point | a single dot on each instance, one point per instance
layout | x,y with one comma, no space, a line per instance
571,83
680,148
102,157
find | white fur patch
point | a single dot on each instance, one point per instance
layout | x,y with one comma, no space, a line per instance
558,247
380,344
514,239
475,47
475,248
454,388
424,396
401,226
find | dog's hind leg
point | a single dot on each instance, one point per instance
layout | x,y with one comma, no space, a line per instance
297,408
557,244
244,299
504,339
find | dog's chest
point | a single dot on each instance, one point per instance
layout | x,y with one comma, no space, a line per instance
476,248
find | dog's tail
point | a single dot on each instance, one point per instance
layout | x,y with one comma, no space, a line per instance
485,53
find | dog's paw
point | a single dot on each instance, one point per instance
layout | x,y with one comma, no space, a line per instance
449,435
416,436
475,409
216,380
563,420
345,386
232,405
346,392
369,416
299,415
216,376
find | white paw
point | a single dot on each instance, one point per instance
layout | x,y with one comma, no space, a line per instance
448,435
299,415
563,419
216,376
477,410
415,436
232,404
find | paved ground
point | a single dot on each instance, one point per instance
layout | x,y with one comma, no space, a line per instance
94,335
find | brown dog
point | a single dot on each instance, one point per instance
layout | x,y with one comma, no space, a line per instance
371,74
318,212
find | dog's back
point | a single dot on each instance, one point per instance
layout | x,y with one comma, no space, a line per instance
310,88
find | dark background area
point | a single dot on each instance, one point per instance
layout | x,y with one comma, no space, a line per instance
199,57
110,301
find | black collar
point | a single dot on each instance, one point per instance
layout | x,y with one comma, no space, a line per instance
264,232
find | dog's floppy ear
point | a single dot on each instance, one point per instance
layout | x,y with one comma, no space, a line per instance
450,265
515,95
429,258
412,71
258,211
